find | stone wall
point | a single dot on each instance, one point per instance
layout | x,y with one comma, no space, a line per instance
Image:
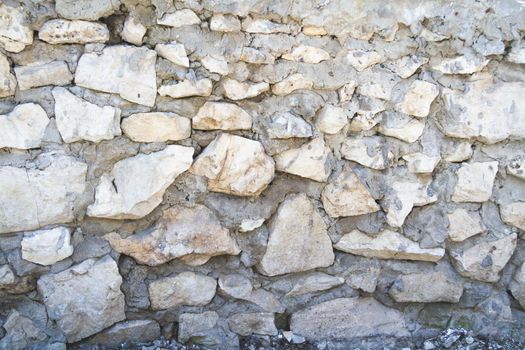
208,170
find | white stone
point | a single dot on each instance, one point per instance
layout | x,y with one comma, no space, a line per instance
291,83
7,79
298,239
464,224
361,60
467,64
32,198
173,52
235,165
286,125
367,151
418,98
401,126
310,161
406,66
36,75
514,214
315,282
133,31
421,163
255,56
235,90
84,299
179,18
331,119
23,127
461,151
260,323
346,91
475,182
216,64
426,287
86,9
263,26
156,127
225,23
61,31
187,88
307,54
517,53
125,70
248,225
431,36
387,245
187,288
516,167
15,33
136,185
347,196
221,116
78,119
46,247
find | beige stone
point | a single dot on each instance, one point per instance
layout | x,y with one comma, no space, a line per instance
307,54
36,75
406,66
315,282
260,323
367,151
401,126
187,88
86,9
23,127
225,23
173,52
156,127
467,64
421,163
235,90
475,182
15,32
216,64
221,116
331,119
291,83
46,247
256,56
418,98
263,26
133,31
432,287
180,18
513,214
7,79
361,60
61,31
286,125
464,224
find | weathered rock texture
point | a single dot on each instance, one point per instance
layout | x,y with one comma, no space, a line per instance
350,172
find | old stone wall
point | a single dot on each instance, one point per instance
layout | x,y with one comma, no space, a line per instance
340,171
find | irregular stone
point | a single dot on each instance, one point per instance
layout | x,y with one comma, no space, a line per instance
347,196
431,36
46,247
21,332
414,288
475,182
7,276
180,18
7,79
464,224
331,119
32,198
133,31
225,23
310,161
136,185
298,239
483,261
180,231
467,64
235,90
346,91
361,60
248,225
517,53
336,319
517,285
187,88
421,163
129,333
315,282
263,26
15,33
516,168
235,165
222,116
260,323
61,31
387,245
23,127
367,151
78,119
187,288
173,52
462,151
401,127
196,326
255,56
84,299
313,30
286,125
121,69
156,127
239,287
418,99
216,64
307,54
363,277
364,122
86,9
52,73
473,115
406,66
291,83
514,214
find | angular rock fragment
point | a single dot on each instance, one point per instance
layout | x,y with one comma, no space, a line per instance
128,332
307,54
361,60
517,285
368,151
433,287
235,90
387,245
7,79
286,125
461,151
347,196
21,332
401,126
187,88
84,299
46,247
420,163
196,326
239,287
235,165
331,119
336,319
255,56
483,261
315,282
156,127
173,52
221,116
61,31
364,276
291,83
225,23
15,33
408,65
298,239
310,161
260,323
263,26
216,64
180,18
467,64
346,91
133,31
78,119
475,182
179,232
23,127
187,288
313,30
86,9
517,53
517,168
418,99
36,75
464,224
7,276
121,69
513,214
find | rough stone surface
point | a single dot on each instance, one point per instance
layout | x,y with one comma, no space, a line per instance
475,182
418,99
307,54
156,127
361,60
187,88
86,9
292,83
15,33
46,247
287,125
260,323
367,151
7,79
23,127
315,282
331,119
173,52
59,31
464,224
514,214
128,332
221,116
133,31
35,75
517,285
426,288
179,18
235,90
